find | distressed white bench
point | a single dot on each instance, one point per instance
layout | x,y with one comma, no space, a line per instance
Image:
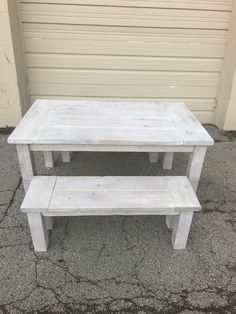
92,196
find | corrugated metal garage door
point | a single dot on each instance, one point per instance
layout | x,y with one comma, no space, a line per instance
126,49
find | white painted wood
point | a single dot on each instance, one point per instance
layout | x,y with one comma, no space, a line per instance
27,167
48,159
40,192
66,156
110,148
170,220
192,132
49,222
32,124
153,157
146,183
182,192
181,229
38,232
84,196
195,165
26,162
168,160
109,123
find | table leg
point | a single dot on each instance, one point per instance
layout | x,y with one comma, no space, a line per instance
27,168
170,221
48,159
195,164
66,156
153,157
168,160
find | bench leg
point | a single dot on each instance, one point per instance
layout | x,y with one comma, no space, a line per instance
27,165
38,230
48,159
153,157
66,156
168,160
181,227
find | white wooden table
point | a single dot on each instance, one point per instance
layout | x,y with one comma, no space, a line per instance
66,125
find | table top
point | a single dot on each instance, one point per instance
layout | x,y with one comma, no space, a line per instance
109,123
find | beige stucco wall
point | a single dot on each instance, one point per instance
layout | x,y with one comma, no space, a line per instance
230,118
10,110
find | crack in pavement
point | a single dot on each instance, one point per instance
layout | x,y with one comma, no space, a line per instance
11,200
140,286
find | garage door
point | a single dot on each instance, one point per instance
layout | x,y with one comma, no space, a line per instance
126,49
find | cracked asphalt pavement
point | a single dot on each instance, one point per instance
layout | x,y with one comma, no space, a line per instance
122,264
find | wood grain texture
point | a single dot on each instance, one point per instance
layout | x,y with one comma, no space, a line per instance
84,196
95,123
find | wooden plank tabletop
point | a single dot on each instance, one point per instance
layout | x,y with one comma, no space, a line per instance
109,123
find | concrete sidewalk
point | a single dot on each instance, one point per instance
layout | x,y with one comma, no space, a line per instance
122,264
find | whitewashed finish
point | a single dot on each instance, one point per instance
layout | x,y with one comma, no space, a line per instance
170,221
181,228
195,164
153,157
86,196
38,232
48,159
27,167
53,125
110,195
110,148
66,156
26,162
97,123
191,130
168,160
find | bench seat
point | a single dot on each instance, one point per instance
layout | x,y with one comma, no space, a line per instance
86,196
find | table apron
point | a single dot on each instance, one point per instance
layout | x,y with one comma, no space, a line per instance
111,148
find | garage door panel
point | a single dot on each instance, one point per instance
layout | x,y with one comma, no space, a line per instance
134,18
126,49
65,61
219,5
162,37
103,90
122,77
72,29
130,48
